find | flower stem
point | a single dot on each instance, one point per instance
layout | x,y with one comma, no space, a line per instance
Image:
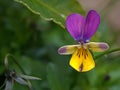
107,52
3,85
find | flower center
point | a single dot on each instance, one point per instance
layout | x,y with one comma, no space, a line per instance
82,52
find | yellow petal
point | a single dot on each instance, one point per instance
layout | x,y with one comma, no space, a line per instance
97,46
68,49
82,60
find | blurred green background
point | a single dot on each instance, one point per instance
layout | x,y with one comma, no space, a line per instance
34,43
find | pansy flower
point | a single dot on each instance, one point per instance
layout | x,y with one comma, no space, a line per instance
82,29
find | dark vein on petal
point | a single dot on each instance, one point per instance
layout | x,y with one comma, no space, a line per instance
81,67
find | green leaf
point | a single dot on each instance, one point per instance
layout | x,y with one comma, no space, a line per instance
55,10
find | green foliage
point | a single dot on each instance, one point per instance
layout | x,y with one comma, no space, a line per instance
34,42
55,10
57,78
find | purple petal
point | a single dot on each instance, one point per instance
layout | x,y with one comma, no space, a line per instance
104,46
74,25
91,24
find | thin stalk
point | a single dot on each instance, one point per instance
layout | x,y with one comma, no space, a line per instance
107,52
19,66
15,61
